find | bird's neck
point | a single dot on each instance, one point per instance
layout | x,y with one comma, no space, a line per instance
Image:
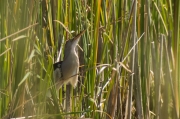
71,61
72,55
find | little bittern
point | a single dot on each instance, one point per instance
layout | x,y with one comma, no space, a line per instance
66,71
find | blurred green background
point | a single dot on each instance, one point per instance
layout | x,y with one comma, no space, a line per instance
129,58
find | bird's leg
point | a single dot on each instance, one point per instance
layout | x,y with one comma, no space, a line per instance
68,100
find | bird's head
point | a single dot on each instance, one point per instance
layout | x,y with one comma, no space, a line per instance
72,43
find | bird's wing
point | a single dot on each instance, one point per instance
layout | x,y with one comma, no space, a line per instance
57,65
58,74
57,71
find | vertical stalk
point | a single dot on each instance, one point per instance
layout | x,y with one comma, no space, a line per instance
132,60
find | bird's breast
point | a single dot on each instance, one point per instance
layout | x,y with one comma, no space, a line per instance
70,67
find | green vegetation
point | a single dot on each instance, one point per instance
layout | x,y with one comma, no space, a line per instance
129,58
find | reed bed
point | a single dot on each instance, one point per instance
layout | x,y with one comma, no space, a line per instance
129,58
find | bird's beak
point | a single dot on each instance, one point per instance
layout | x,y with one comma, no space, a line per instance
79,35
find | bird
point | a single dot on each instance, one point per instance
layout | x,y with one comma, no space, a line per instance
66,71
